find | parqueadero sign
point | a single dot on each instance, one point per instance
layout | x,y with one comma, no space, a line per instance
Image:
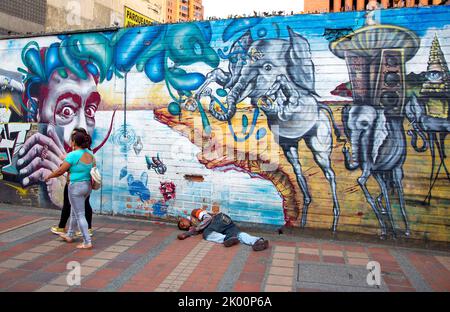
134,18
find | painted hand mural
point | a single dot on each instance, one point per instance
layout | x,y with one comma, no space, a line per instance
211,86
61,92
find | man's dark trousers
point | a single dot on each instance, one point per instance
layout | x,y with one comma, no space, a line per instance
221,223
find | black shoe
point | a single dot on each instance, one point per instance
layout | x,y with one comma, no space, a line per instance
260,244
231,242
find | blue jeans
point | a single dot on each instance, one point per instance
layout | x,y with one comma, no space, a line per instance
78,192
243,237
222,223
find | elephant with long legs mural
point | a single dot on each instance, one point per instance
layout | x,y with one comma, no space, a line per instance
379,150
436,130
428,112
374,122
284,88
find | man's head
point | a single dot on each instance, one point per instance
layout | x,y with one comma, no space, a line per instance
69,103
184,224
61,81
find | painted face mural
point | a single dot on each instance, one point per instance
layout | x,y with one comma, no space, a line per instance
61,95
70,103
63,105
333,121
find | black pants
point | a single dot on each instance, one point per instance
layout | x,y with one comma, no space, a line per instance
65,212
221,223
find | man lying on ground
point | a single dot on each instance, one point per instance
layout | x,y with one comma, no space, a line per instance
218,228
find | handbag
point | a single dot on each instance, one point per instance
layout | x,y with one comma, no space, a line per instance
96,177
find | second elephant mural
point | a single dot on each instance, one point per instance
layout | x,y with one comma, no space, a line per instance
270,120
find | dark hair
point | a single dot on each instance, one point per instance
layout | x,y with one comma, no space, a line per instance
82,130
81,138
180,227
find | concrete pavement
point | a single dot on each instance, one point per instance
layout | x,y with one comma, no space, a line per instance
136,255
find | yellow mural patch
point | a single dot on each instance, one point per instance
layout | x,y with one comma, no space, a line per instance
8,102
20,190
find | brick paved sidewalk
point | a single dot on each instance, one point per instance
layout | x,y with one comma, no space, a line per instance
132,255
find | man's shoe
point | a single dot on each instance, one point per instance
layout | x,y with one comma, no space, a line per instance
231,242
57,230
91,233
260,244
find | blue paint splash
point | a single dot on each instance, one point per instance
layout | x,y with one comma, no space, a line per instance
160,209
261,133
139,187
244,124
123,173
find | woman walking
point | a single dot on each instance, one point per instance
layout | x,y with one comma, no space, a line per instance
65,212
79,163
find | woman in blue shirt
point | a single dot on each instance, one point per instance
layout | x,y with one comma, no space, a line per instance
79,163
65,211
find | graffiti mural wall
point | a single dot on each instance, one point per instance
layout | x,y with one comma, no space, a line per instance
335,121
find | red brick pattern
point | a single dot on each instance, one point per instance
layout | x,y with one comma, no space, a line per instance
16,222
436,275
39,264
103,277
154,273
388,263
7,278
252,276
208,274
392,273
100,279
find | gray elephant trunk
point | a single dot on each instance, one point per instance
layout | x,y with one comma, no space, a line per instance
414,112
232,99
352,161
